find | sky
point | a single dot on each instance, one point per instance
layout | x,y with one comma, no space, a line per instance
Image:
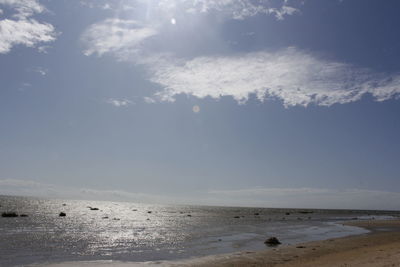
271,103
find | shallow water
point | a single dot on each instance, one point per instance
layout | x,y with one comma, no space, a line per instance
142,232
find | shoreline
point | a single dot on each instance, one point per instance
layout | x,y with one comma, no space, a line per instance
379,247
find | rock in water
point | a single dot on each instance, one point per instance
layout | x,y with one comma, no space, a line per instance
272,241
9,214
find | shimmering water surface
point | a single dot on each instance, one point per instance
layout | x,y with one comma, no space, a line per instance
140,232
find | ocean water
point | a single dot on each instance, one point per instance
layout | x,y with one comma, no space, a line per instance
143,232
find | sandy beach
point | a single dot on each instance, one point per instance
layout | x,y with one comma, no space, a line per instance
380,247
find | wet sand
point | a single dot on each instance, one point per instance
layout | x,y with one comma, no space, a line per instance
380,247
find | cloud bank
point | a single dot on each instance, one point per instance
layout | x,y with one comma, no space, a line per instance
21,29
36,189
251,197
311,198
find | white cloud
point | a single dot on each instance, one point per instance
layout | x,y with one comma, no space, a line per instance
285,10
106,6
43,49
40,70
149,100
23,8
119,102
25,84
121,37
22,29
232,8
25,32
295,77
166,9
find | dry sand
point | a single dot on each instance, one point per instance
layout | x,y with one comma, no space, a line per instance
381,247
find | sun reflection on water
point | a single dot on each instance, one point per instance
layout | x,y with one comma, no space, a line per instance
127,231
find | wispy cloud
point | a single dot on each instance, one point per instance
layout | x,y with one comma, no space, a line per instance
293,76
23,8
106,6
283,11
21,29
149,100
119,102
42,71
43,49
117,36
24,85
231,8
124,38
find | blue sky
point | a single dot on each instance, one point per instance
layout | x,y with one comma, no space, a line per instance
266,103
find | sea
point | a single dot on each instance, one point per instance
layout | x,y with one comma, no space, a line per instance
123,231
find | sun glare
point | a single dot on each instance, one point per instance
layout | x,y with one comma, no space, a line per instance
196,109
